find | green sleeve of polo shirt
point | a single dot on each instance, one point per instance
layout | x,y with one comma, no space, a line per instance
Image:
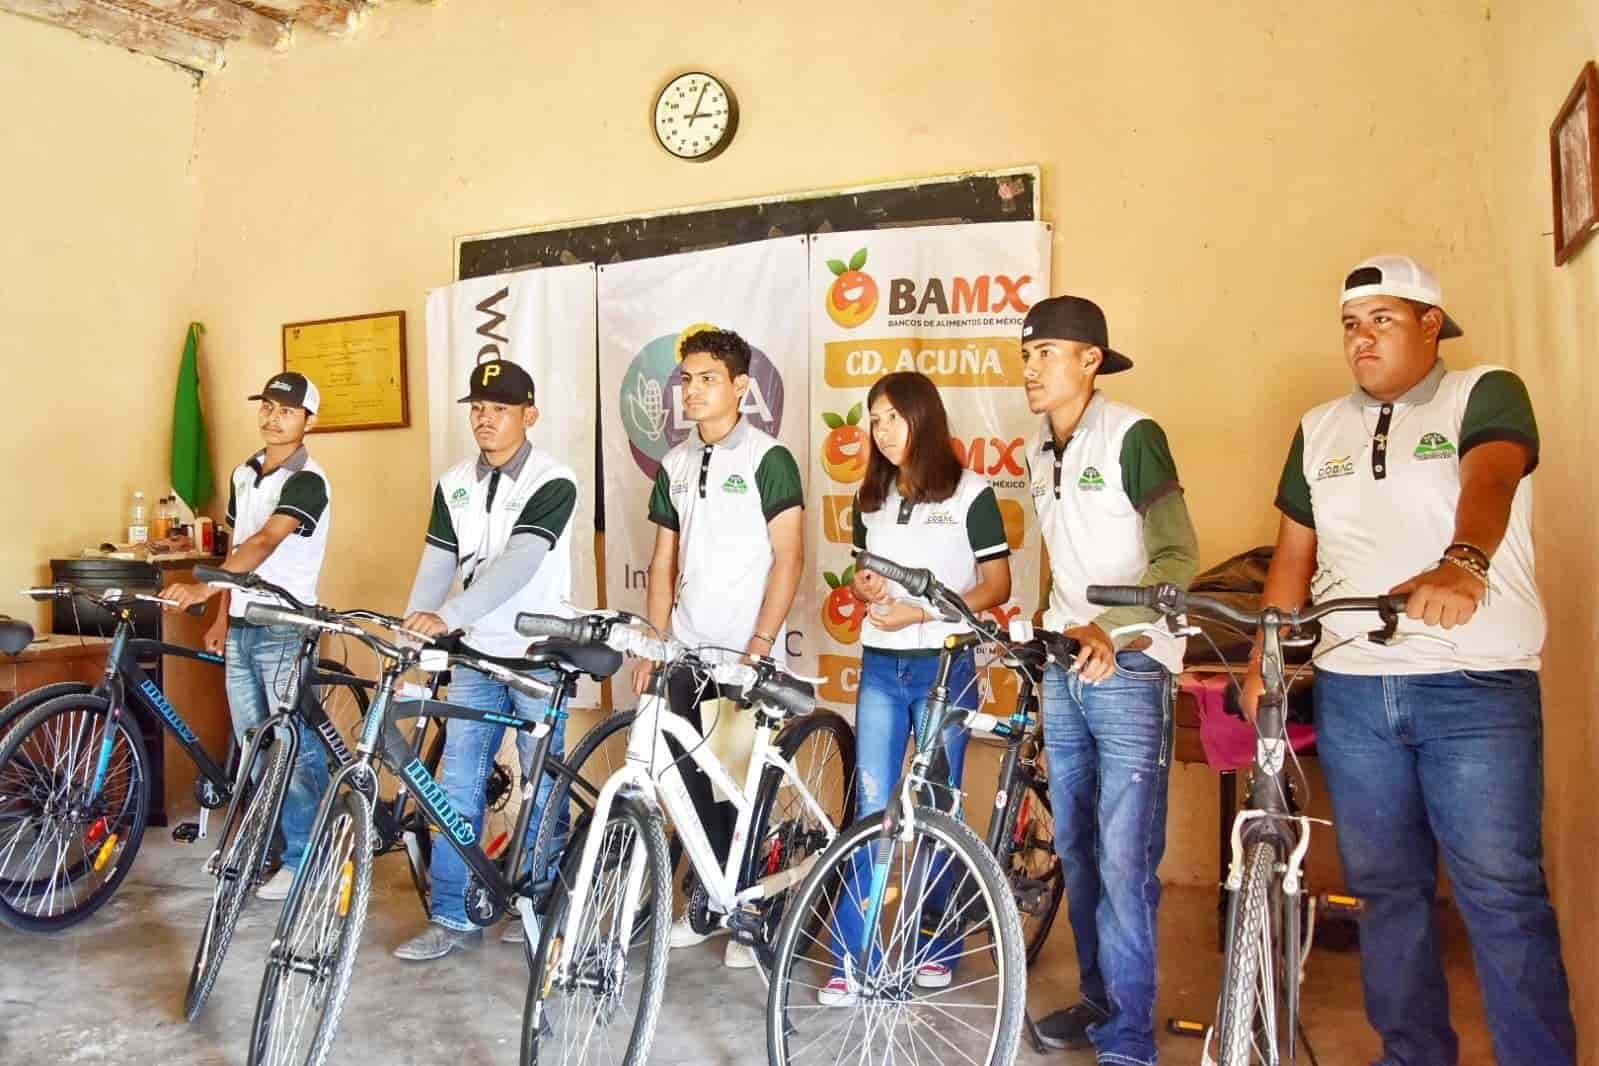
1148,470
777,479
1173,551
857,527
546,514
985,529
1500,409
663,512
304,496
441,528
1293,491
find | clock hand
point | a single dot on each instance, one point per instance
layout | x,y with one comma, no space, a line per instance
698,102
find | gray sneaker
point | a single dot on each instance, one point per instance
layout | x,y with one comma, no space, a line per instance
436,941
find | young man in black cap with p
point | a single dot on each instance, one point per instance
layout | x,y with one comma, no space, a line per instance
1111,512
278,510
498,544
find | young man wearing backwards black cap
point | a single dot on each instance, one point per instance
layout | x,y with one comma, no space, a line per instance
278,510
1111,512
1417,482
498,544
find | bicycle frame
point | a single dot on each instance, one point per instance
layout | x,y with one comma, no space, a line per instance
652,775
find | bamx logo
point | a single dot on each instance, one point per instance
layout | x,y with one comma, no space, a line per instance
985,293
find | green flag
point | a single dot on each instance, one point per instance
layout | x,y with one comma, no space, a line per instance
191,458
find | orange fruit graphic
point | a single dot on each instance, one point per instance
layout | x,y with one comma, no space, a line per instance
852,297
844,449
842,613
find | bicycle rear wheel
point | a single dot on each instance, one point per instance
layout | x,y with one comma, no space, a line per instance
1253,1027
602,1012
62,852
309,966
1027,855
238,860
940,891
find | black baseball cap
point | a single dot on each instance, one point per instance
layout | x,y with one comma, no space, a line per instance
1072,318
499,381
291,389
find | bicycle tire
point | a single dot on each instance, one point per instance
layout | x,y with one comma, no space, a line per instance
342,848
13,711
1252,955
631,815
239,857
991,888
791,841
1027,844
121,830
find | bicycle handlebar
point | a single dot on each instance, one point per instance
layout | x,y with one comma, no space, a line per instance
917,581
246,579
1171,600
110,598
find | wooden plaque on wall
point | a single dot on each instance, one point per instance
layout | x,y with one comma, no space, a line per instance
358,364
1574,165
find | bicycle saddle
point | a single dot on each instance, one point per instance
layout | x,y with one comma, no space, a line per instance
14,635
596,660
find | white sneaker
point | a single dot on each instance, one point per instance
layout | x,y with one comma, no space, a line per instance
837,993
933,975
684,936
278,886
738,956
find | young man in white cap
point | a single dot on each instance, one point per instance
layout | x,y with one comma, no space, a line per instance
499,543
278,508
1417,482
1111,512
729,551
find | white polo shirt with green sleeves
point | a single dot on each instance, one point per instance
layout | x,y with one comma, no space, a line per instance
719,498
1091,495
298,488
1380,483
949,537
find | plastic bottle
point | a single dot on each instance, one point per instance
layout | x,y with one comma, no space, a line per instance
138,520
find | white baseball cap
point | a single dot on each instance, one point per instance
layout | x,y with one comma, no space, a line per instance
1401,276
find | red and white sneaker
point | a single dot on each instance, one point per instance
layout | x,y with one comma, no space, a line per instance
933,975
837,993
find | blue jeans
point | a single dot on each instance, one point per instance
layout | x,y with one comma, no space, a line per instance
1455,760
889,704
469,750
261,674
1109,749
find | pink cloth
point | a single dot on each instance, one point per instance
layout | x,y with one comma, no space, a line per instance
1229,741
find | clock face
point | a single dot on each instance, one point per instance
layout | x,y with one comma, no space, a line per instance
695,116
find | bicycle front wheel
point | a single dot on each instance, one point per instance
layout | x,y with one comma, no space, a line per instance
238,860
940,900
1254,1013
313,949
74,798
601,1010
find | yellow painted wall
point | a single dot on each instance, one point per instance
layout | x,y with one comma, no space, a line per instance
1552,318
1211,178
96,270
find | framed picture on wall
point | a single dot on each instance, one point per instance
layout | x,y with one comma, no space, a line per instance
358,364
1574,165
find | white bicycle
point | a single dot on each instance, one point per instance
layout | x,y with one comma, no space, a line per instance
599,971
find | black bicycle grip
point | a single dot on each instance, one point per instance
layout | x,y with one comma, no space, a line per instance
916,581
548,625
1122,595
1393,604
265,614
196,609
209,574
790,695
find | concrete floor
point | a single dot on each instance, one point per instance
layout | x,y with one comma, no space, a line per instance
111,989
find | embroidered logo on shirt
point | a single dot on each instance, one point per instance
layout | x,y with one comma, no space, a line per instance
938,518
1343,466
459,497
1092,480
1040,488
734,483
1434,446
678,488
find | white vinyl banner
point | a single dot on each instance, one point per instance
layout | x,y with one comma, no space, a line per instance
645,308
948,302
542,320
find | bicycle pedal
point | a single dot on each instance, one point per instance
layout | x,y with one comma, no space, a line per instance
745,925
1336,905
1185,1027
186,832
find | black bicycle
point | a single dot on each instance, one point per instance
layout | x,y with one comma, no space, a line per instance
75,776
1258,1014
312,957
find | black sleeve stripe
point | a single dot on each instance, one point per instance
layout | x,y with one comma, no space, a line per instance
440,542
1154,495
777,507
998,551
537,531
1286,506
669,521
1485,436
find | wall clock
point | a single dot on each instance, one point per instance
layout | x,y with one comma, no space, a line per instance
696,116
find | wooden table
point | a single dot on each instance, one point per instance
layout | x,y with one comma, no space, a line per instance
50,659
